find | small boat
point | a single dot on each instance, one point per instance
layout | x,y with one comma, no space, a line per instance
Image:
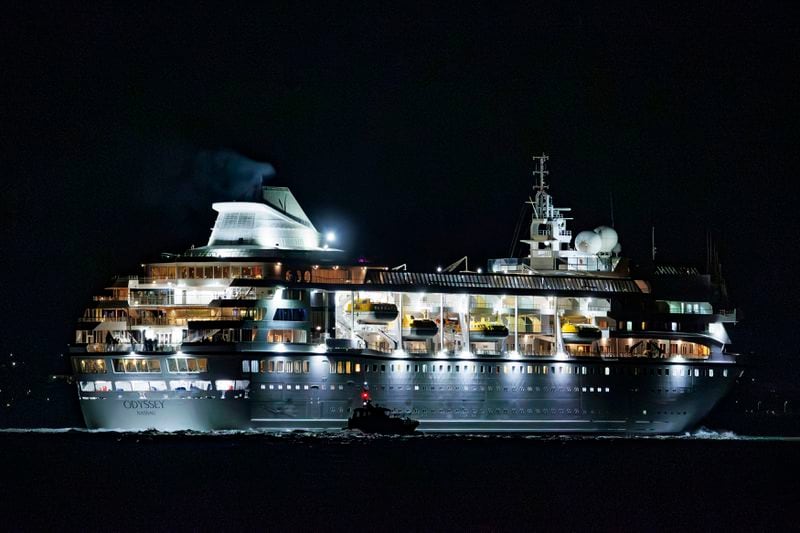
375,419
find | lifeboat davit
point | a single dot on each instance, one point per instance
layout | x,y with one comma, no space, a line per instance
368,312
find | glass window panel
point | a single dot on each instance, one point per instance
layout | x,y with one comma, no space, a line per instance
140,385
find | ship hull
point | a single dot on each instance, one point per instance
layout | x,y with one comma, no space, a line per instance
535,395
168,414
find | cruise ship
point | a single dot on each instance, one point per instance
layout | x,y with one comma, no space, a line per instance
269,326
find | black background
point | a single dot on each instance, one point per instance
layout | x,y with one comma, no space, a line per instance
407,129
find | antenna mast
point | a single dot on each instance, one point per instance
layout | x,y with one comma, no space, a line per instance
653,241
542,203
541,172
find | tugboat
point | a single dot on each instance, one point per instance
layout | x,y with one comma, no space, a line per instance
376,419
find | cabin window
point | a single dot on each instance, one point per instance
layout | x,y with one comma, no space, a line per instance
306,367
189,385
290,315
140,386
102,386
158,385
226,384
92,366
136,365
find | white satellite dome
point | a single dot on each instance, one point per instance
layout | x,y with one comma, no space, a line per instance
617,249
588,242
608,237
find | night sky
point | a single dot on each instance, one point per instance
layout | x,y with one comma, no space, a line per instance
409,131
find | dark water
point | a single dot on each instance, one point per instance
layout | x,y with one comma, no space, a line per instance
732,476
185,482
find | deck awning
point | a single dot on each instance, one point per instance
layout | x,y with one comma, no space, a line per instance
236,303
562,284
215,324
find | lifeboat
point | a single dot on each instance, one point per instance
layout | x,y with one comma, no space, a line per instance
368,312
487,331
580,333
419,328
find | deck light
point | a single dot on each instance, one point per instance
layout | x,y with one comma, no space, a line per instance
330,236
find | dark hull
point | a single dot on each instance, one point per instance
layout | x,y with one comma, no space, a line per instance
587,396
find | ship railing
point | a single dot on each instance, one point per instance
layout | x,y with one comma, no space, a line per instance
128,347
157,321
